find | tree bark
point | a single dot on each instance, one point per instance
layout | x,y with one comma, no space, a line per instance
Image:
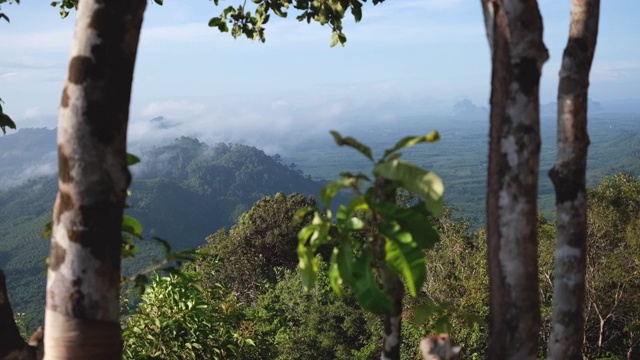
12,345
514,31
392,285
83,281
569,179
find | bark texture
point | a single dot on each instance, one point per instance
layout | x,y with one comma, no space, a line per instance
83,281
569,178
514,30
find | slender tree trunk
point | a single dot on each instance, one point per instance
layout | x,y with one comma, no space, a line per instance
83,281
392,287
514,31
569,178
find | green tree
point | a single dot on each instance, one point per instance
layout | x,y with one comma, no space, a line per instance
389,242
177,319
263,239
613,269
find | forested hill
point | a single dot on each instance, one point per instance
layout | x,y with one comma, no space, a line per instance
198,188
181,192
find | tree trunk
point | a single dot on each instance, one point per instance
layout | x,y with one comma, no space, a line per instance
394,289
12,345
514,31
569,178
83,281
392,285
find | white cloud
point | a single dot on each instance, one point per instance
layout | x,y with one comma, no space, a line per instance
173,109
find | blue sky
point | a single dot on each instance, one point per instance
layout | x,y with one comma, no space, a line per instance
427,52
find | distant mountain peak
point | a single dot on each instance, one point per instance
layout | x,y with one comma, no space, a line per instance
466,107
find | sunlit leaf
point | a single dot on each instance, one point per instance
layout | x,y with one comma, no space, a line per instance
407,260
351,142
307,266
335,280
131,226
410,141
425,184
344,259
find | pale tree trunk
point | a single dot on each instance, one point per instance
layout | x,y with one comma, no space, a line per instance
569,178
514,31
83,281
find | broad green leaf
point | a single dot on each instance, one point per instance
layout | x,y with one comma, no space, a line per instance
358,203
131,226
132,159
356,10
329,191
344,259
335,280
305,233
407,260
300,214
6,122
308,266
422,183
354,223
410,141
366,289
351,142
424,311
415,220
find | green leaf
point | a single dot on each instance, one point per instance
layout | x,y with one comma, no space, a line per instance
351,142
6,122
166,248
412,140
338,38
159,2
300,214
407,260
344,259
305,233
307,266
329,191
424,311
366,289
356,11
131,226
335,280
415,220
132,159
48,229
425,184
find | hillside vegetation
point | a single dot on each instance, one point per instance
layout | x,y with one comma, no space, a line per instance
181,192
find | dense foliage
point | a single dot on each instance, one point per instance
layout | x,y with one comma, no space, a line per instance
282,321
181,192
